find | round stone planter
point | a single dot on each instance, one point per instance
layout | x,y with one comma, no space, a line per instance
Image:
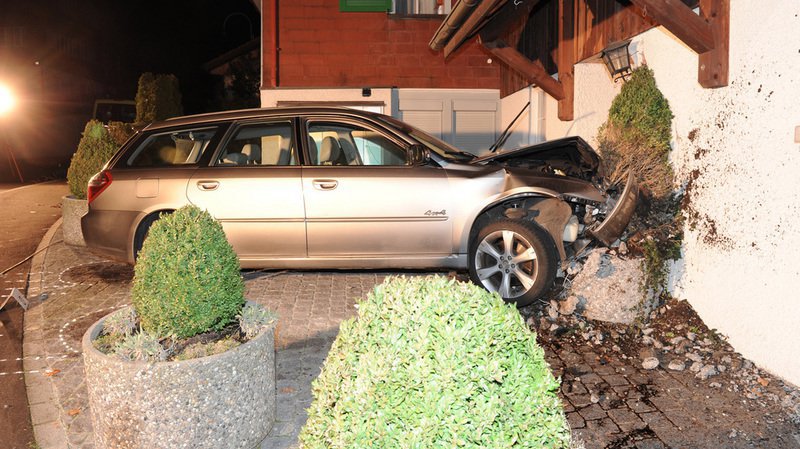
72,209
221,401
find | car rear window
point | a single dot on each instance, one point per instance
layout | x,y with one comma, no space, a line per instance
172,148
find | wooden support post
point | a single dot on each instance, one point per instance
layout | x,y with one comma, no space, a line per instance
681,21
712,68
566,58
533,71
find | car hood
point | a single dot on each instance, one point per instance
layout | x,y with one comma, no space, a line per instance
570,156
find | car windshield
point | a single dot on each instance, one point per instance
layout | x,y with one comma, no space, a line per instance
443,149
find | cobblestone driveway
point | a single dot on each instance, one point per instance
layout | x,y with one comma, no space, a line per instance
609,402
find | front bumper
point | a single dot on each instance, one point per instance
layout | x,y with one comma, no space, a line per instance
610,229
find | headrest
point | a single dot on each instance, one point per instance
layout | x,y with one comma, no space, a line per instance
330,151
253,152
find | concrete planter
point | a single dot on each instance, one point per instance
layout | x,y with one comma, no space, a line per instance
72,209
222,401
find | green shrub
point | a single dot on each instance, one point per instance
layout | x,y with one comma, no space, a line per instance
141,346
94,149
637,135
158,97
431,362
642,109
187,278
254,318
122,322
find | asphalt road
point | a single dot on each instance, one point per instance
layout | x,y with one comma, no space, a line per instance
26,213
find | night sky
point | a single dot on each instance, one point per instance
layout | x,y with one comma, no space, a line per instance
62,55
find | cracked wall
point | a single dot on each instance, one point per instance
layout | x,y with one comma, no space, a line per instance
735,154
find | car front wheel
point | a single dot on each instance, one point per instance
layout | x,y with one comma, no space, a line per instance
515,258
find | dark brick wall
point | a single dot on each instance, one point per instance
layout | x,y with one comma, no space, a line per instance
323,47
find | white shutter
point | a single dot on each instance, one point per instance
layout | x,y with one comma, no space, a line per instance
428,121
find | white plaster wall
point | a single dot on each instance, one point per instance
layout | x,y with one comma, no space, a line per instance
594,92
740,270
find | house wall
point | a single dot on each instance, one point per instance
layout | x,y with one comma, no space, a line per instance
323,47
736,153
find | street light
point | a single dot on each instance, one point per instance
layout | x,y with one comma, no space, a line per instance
7,103
6,100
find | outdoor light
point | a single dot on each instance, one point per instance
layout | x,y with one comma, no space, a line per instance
6,100
617,60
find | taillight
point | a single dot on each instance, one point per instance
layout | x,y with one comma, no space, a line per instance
97,184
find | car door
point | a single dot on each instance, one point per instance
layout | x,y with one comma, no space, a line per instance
253,187
363,200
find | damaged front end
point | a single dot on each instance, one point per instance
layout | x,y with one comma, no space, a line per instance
576,205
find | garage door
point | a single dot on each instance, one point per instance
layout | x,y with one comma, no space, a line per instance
465,118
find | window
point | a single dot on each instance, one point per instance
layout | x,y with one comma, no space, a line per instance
260,144
422,7
365,5
400,7
345,144
172,148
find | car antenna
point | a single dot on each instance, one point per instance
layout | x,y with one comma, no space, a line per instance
502,139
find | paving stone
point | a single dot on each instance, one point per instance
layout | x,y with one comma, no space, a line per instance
591,412
639,406
603,432
575,420
616,380
660,425
579,400
626,419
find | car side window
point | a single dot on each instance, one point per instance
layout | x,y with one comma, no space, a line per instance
260,144
348,144
172,148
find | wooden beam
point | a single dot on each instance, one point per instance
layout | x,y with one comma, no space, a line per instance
566,58
712,70
681,21
533,71
468,28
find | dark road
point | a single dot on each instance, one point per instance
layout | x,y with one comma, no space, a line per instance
26,213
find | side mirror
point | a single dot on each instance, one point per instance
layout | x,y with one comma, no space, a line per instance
418,154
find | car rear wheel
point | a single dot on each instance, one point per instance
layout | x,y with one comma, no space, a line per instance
143,229
515,258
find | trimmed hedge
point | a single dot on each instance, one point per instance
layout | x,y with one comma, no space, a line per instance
97,145
158,97
640,108
430,362
637,136
187,278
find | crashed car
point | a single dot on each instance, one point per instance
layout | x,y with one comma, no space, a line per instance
335,188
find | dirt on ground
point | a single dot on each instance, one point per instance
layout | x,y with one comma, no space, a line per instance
668,381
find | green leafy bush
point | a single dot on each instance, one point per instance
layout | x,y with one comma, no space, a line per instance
637,135
254,318
158,97
141,346
121,322
187,278
97,145
430,362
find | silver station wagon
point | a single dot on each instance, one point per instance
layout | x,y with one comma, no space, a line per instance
335,188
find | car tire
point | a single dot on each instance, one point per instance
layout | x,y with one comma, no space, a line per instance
142,229
516,258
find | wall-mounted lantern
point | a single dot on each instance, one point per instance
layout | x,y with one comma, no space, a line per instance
617,60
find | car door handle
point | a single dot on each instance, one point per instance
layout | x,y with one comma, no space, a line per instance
325,184
207,185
